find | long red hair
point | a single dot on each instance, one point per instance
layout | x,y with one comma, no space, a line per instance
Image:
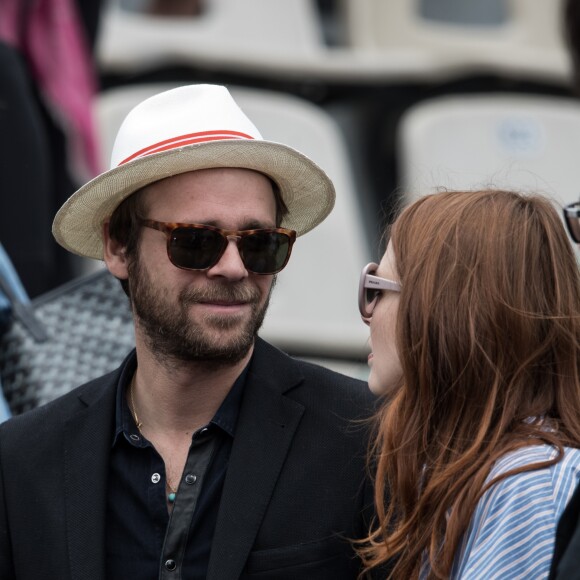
488,334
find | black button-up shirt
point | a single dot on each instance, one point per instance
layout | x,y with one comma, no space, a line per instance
142,539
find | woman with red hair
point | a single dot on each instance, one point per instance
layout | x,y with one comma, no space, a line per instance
474,314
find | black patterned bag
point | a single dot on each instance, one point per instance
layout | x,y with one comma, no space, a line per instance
74,333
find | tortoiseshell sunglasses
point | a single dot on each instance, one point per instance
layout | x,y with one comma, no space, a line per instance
199,247
572,217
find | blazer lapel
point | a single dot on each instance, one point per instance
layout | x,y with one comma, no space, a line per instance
88,436
264,433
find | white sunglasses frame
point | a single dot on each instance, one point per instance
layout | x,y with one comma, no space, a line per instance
370,281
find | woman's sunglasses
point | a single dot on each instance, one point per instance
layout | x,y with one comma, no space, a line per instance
369,288
199,247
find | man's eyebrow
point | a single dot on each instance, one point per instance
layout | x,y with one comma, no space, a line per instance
257,225
251,224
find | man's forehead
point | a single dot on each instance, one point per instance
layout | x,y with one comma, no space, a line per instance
192,201
214,175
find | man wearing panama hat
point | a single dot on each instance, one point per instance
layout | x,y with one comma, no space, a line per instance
208,453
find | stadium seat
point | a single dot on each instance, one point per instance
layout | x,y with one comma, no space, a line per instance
525,38
248,35
524,142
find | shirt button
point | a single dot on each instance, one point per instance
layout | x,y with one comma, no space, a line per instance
134,437
190,479
155,478
203,431
170,565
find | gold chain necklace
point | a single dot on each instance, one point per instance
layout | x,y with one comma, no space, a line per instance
133,408
172,491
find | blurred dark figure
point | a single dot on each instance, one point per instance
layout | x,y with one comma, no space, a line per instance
47,140
176,7
571,32
172,8
566,561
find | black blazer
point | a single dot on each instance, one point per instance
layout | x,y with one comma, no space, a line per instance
295,489
566,561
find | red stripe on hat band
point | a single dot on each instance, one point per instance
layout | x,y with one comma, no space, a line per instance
188,139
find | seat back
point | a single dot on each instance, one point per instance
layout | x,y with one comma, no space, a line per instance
521,35
527,143
228,33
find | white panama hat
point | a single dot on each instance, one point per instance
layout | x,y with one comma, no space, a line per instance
185,129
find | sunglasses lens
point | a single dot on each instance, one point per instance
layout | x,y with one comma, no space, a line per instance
370,297
265,252
574,227
366,296
196,248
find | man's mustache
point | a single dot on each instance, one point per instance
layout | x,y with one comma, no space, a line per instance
221,293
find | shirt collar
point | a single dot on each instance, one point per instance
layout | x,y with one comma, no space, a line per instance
225,418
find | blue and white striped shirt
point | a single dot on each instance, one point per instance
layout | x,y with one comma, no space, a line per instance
512,532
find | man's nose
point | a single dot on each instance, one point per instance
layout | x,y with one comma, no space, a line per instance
230,265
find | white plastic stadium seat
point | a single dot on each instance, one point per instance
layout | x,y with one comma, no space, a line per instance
528,40
313,311
228,33
528,143
284,39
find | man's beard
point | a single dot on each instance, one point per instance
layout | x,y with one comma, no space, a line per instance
172,335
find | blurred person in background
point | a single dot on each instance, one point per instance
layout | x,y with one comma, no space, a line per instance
47,138
571,33
566,562
474,314
208,453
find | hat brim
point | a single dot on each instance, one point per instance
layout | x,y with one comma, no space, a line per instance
305,188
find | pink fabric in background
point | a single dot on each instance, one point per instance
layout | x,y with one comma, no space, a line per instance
50,36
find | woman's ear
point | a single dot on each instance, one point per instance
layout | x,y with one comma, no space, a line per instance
114,255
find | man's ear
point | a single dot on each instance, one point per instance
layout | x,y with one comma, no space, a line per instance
114,255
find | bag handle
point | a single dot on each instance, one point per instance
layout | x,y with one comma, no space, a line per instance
24,313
